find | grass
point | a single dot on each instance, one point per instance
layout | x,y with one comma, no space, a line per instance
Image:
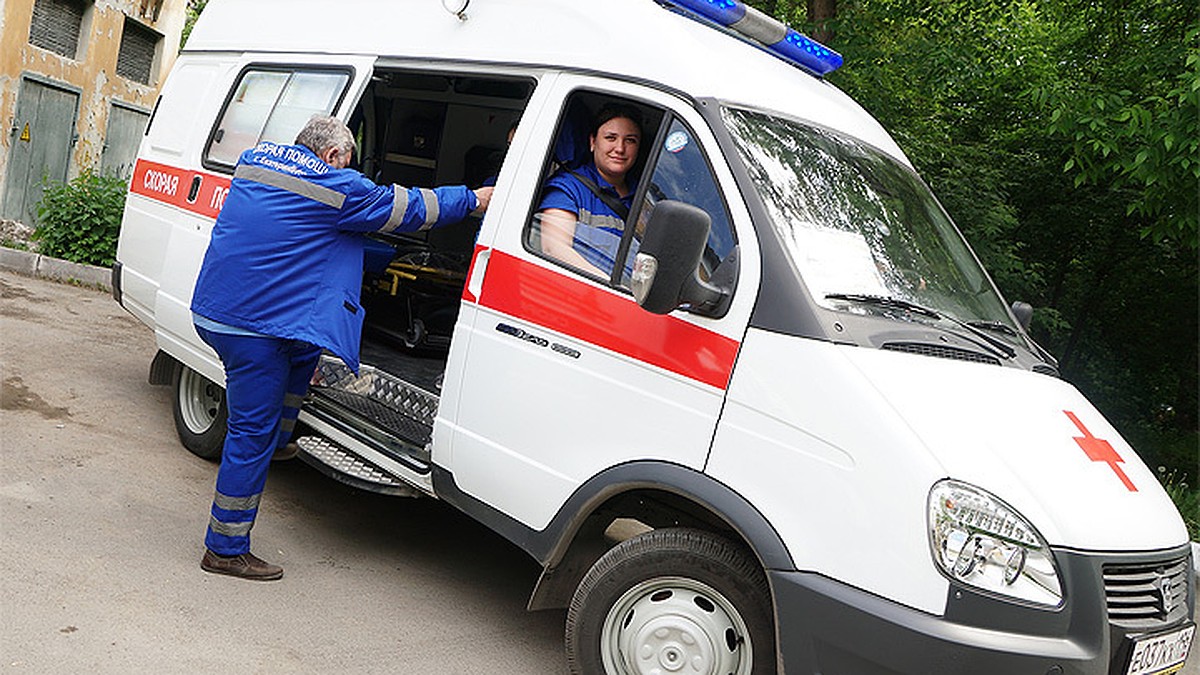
1187,500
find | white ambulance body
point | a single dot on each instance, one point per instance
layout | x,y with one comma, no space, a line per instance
830,447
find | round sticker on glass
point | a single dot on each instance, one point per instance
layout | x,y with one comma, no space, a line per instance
676,142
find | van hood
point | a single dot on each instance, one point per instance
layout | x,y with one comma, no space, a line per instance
1033,441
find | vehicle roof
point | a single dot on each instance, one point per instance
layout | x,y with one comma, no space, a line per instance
632,39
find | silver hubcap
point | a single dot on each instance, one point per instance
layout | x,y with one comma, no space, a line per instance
199,400
674,625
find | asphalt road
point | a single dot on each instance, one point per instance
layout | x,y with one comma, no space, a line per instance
102,515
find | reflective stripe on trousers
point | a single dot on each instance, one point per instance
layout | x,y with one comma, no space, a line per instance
266,379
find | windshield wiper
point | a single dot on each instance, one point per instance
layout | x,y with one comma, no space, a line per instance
897,303
994,326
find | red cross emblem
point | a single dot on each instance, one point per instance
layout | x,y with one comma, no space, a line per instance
1100,450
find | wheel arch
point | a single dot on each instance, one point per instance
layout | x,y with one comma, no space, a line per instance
654,495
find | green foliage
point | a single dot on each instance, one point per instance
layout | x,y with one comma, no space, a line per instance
1130,109
80,220
194,8
1187,500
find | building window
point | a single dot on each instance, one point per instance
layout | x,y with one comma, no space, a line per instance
56,26
135,60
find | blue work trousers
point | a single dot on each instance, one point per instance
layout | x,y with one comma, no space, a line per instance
266,379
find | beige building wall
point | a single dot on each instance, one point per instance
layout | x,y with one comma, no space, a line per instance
92,74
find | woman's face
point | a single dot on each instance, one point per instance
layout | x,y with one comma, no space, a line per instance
615,148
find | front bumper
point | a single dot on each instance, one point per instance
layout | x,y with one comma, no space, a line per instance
829,628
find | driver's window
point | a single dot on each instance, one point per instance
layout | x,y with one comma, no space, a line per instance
681,172
591,183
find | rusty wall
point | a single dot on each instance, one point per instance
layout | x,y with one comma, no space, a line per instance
93,73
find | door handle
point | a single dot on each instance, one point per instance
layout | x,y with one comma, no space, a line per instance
478,268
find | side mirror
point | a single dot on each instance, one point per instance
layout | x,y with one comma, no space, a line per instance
664,270
1024,313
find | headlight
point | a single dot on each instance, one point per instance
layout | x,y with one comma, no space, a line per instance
980,541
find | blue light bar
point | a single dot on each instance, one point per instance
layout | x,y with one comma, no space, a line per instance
775,37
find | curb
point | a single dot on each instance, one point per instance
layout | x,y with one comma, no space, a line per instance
38,265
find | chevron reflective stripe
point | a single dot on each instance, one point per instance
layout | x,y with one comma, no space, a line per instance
293,400
236,503
287,425
239,529
432,208
292,184
601,221
399,208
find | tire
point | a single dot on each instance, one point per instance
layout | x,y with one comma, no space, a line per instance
198,405
672,600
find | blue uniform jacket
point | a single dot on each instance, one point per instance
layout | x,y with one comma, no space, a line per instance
598,228
286,254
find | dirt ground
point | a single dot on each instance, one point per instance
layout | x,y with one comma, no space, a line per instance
102,516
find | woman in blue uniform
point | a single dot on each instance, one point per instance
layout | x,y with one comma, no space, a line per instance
583,210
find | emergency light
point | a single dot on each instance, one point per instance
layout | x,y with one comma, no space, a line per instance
777,38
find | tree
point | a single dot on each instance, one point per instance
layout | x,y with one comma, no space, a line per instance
194,8
1127,103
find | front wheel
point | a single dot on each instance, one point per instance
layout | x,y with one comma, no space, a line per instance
672,600
198,405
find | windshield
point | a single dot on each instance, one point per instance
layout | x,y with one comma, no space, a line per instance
857,223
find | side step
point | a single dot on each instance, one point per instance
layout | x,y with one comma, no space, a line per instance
344,466
371,430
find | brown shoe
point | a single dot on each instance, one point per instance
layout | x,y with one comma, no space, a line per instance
244,566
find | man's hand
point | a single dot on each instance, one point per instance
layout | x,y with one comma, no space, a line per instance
484,196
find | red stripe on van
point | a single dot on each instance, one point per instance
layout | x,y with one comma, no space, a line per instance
172,185
613,321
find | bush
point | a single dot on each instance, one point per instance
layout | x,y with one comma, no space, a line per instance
80,220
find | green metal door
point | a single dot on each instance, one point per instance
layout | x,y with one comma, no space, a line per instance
43,133
121,140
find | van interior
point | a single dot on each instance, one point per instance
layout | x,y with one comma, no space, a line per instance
417,129
425,130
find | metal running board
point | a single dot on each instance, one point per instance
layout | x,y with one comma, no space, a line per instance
340,464
418,405
370,430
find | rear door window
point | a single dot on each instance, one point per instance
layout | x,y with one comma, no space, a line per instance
271,104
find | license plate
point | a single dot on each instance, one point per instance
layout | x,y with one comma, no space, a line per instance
1160,654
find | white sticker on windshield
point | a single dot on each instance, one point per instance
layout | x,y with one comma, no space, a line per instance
835,261
676,142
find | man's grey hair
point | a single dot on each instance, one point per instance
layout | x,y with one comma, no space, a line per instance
323,132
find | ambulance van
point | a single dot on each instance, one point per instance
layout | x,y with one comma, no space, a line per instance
794,429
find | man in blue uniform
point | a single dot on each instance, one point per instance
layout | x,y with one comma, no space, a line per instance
280,282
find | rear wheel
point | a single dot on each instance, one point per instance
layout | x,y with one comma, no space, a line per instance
198,405
672,600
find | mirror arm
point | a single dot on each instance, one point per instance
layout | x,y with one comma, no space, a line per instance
712,298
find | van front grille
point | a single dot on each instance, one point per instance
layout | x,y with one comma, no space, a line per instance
941,352
1146,595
